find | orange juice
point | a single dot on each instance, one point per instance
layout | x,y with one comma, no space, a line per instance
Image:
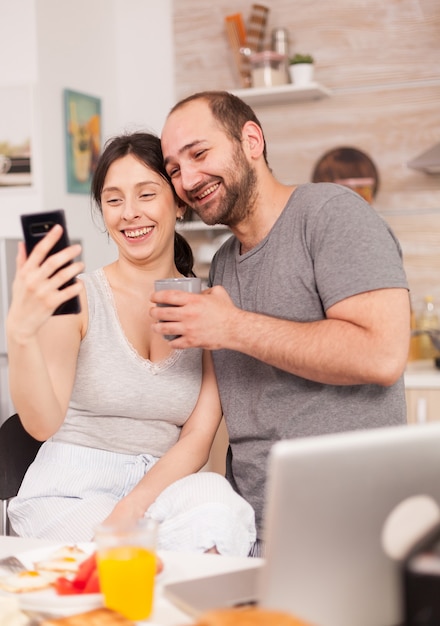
126,575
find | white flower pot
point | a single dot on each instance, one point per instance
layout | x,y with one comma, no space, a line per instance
301,73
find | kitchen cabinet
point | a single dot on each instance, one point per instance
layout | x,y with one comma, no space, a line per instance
204,241
197,226
423,405
422,389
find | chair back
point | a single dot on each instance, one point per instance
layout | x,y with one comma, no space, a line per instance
17,451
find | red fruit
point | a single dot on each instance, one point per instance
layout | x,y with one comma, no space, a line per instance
85,581
85,570
64,586
92,585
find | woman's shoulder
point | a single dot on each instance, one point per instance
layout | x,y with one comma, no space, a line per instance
95,285
96,276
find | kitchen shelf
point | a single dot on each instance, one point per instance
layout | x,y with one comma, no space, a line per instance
198,225
282,93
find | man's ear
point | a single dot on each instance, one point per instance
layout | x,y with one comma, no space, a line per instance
253,139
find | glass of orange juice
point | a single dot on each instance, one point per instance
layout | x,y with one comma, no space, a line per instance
126,557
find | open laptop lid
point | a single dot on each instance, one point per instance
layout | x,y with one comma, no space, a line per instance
328,499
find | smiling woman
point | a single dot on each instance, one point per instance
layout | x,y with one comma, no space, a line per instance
132,420
151,186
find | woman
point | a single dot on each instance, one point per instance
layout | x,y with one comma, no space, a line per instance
127,421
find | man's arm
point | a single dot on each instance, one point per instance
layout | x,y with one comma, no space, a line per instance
363,340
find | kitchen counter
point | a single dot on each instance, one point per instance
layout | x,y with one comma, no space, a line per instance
422,375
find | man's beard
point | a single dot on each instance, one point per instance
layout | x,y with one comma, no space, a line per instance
239,194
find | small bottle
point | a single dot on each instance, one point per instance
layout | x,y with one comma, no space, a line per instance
428,320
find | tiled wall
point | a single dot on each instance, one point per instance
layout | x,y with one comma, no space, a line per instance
381,61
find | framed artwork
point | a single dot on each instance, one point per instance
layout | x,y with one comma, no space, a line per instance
83,139
15,136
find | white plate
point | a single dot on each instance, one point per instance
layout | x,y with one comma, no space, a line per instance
47,600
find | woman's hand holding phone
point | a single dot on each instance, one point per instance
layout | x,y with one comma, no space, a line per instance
51,258
44,282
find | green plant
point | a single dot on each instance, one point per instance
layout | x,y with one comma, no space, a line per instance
301,58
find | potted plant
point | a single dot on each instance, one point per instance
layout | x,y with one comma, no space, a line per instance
301,68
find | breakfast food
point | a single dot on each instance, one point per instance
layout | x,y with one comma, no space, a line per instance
65,560
24,582
97,617
68,570
84,581
248,617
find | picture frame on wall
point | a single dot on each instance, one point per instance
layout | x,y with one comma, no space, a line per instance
82,114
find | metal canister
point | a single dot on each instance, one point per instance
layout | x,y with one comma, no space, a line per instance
280,44
280,41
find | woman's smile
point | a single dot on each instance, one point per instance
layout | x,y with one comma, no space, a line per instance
138,233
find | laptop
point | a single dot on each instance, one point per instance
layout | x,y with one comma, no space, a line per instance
328,506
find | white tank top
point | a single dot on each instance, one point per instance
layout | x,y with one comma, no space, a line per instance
120,401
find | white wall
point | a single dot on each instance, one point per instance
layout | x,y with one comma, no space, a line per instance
144,63
18,69
120,51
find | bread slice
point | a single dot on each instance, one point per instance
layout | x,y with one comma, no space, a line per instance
248,617
97,617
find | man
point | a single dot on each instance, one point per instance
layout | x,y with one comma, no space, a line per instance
308,316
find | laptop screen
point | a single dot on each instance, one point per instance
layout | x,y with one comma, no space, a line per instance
328,501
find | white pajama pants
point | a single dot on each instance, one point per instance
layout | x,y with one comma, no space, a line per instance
69,490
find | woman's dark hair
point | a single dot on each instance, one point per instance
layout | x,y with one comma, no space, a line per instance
229,110
147,149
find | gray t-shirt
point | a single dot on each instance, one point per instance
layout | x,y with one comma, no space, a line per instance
120,401
327,245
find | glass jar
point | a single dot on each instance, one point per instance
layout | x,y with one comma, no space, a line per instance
268,68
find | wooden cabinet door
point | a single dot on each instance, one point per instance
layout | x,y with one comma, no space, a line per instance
423,405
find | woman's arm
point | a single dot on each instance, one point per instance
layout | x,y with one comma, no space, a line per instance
187,456
42,348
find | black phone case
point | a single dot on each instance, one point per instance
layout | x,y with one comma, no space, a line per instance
35,226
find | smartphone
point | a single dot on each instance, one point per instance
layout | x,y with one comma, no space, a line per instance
36,226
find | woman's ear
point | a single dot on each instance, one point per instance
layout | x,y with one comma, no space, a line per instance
253,139
181,209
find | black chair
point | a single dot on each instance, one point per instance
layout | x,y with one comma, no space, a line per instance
17,451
